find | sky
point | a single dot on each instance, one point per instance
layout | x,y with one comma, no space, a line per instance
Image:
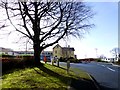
102,38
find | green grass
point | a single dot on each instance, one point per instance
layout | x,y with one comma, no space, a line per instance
45,77
80,73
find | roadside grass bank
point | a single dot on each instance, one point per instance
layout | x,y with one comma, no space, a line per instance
84,75
45,77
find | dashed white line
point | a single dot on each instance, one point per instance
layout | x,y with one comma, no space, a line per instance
111,69
108,68
103,65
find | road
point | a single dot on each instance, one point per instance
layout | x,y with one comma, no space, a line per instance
107,75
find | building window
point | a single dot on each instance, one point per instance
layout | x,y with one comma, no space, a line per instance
56,52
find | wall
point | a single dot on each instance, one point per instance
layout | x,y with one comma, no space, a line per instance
57,51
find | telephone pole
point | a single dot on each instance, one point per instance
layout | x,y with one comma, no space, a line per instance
96,52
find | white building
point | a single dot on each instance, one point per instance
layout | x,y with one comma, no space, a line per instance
47,54
6,51
16,53
110,59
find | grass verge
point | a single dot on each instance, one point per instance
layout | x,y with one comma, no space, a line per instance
44,77
80,73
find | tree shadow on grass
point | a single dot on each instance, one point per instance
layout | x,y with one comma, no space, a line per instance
77,84
11,70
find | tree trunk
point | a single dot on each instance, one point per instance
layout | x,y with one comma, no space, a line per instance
37,53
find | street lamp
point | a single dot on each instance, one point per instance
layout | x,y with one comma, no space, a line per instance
96,52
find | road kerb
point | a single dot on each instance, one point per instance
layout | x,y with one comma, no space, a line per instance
95,82
115,65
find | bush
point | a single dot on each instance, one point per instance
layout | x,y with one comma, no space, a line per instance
62,59
7,56
10,63
118,62
72,60
98,60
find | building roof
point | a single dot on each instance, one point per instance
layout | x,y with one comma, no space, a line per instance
65,48
5,49
56,46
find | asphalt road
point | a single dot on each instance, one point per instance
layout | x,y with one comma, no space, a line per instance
107,75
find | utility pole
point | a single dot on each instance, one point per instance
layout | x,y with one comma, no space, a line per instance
26,45
85,55
96,52
67,52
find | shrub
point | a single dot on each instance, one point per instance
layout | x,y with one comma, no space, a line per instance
98,60
118,62
62,59
74,60
10,63
8,56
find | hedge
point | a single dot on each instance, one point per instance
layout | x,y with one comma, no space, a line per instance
72,60
21,62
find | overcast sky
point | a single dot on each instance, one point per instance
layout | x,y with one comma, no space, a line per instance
104,36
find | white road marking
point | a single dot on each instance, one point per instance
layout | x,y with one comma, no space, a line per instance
103,65
111,69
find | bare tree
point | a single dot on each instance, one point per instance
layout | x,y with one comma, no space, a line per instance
45,23
102,56
115,51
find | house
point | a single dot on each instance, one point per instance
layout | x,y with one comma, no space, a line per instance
64,52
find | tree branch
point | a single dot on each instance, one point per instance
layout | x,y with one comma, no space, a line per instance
12,23
24,21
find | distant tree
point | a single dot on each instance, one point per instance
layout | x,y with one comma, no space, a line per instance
45,21
115,51
102,56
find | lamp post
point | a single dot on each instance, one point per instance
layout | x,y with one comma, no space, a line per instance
26,44
96,52
67,56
